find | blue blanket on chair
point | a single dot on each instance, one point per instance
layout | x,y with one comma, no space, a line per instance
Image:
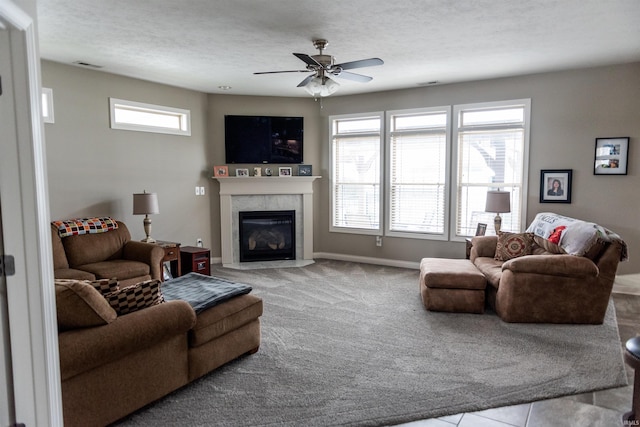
202,291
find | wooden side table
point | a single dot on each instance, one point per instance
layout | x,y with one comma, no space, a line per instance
195,260
172,256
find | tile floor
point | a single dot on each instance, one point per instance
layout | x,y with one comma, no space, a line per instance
598,409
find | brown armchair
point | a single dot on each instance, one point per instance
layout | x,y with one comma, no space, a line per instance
548,287
104,256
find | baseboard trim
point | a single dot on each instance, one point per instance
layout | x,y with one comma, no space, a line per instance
368,260
353,258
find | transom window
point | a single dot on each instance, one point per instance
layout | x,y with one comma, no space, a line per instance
138,116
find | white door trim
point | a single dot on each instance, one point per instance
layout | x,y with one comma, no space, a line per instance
26,233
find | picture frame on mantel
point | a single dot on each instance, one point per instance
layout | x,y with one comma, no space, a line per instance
304,170
221,171
284,171
611,156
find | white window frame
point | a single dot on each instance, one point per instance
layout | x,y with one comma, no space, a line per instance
352,230
183,116
388,174
48,115
457,109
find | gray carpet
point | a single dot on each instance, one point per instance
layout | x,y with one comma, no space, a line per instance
351,344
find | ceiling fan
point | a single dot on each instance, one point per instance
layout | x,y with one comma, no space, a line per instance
323,69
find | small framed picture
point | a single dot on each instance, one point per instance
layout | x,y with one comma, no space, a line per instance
611,156
242,172
304,170
284,171
257,171
555,185
481,229
221,171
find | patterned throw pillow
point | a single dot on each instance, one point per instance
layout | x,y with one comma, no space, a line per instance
513,245
105,285
136,297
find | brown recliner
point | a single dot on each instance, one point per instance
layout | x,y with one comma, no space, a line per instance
548,287
105,256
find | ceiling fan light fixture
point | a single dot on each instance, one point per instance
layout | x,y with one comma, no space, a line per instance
319,87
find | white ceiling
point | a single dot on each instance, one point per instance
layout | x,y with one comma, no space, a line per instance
205,44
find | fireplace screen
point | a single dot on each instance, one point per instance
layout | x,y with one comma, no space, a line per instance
267,235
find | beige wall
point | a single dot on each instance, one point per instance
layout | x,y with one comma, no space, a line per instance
94,170
569,110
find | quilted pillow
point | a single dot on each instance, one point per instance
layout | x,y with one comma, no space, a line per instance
513,245
80,305
135,297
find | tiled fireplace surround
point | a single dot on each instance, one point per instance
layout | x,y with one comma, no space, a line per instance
239,194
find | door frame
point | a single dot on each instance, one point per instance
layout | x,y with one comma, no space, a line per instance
26,232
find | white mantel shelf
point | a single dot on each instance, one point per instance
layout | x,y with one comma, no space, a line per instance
260,186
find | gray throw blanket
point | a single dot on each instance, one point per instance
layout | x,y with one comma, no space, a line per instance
202,291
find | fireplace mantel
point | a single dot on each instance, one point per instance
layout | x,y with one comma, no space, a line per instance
231,187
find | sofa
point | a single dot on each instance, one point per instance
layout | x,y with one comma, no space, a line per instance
121,346
539,280
103,255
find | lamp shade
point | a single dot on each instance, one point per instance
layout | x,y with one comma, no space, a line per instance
498,201
145,203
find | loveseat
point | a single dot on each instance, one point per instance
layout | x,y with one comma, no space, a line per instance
121,347
534,279
102,255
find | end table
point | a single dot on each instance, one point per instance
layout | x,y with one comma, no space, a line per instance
172,256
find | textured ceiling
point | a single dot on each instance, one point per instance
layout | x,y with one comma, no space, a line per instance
205,44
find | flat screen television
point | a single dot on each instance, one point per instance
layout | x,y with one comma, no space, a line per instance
263,139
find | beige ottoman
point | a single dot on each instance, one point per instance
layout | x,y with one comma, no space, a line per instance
453,285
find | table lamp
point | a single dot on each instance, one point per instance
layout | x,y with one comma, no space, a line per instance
498,202
146,204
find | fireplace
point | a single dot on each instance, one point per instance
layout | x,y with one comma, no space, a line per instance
267,235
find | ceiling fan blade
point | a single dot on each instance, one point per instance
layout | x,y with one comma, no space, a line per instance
307,59
290,71
306,80
355,77
359,64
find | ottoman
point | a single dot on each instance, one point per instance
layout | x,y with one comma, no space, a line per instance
224,332
453,285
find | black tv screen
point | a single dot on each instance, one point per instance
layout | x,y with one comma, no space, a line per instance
263,139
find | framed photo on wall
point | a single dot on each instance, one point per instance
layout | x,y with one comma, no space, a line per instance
611,156
555,185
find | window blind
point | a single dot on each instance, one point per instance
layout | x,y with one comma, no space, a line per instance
491,151
356,174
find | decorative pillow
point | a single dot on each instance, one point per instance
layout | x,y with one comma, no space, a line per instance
136,297
513,245
105,285
80,305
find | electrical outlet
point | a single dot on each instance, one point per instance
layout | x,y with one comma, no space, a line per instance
197,191
379,241
202,191
199,242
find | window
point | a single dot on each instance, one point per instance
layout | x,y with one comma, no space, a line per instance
418,152
130,115
491,154
356,147
47,105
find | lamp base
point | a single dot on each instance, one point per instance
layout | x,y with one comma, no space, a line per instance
497,223
147,230
148,239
